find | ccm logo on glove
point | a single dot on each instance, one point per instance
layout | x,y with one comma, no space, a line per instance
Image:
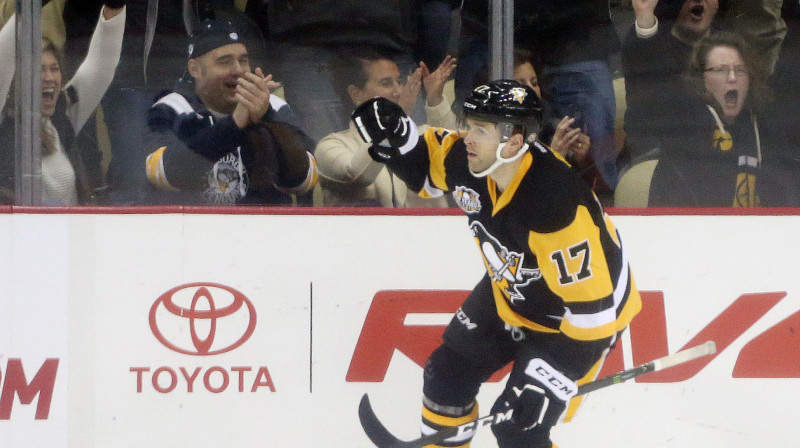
561,386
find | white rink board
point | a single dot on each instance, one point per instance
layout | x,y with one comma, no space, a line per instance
80,288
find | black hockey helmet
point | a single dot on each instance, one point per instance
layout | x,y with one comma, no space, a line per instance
507,101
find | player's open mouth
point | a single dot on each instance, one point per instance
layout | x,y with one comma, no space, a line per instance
731,98
697,11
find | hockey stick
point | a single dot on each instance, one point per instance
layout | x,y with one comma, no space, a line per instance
382,438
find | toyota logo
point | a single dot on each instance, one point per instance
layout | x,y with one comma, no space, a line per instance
202,319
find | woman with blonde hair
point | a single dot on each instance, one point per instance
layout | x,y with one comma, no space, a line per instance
65,108
714,154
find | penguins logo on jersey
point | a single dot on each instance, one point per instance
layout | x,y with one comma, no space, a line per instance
468,199
504,267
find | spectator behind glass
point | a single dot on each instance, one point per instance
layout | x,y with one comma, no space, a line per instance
570,43
307,36
52,21
759,22
562,134
65,108
654,56
435,29
141,76
713,155
218,139
89,142
783,113
347,174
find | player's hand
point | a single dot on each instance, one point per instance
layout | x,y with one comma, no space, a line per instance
384,123
541,398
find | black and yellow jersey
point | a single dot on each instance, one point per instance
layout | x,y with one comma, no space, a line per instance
554,257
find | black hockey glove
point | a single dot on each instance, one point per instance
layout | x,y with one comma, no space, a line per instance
541,397
114,4
384,124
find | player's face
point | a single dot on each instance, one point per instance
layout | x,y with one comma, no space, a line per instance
51,83
695,17
526,75
384,81
482,138
727,80
216,75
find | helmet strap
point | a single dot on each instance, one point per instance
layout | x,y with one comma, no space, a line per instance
500,160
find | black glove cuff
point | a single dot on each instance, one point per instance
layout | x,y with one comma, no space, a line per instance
114,4
382,154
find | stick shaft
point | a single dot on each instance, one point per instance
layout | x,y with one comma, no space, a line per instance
381,437
690,354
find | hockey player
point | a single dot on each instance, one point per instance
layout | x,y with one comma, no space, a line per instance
558,289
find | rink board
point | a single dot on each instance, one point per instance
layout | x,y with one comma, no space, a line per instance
102,347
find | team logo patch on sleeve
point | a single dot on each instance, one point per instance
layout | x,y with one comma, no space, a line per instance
468,199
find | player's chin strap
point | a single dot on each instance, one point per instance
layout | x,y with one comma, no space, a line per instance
501,160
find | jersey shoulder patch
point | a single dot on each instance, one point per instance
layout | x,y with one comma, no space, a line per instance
468,199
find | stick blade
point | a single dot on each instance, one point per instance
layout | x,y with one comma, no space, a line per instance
373,427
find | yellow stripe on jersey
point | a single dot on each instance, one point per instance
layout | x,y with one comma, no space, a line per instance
572,260
557,155
508,193
439,142
154,167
